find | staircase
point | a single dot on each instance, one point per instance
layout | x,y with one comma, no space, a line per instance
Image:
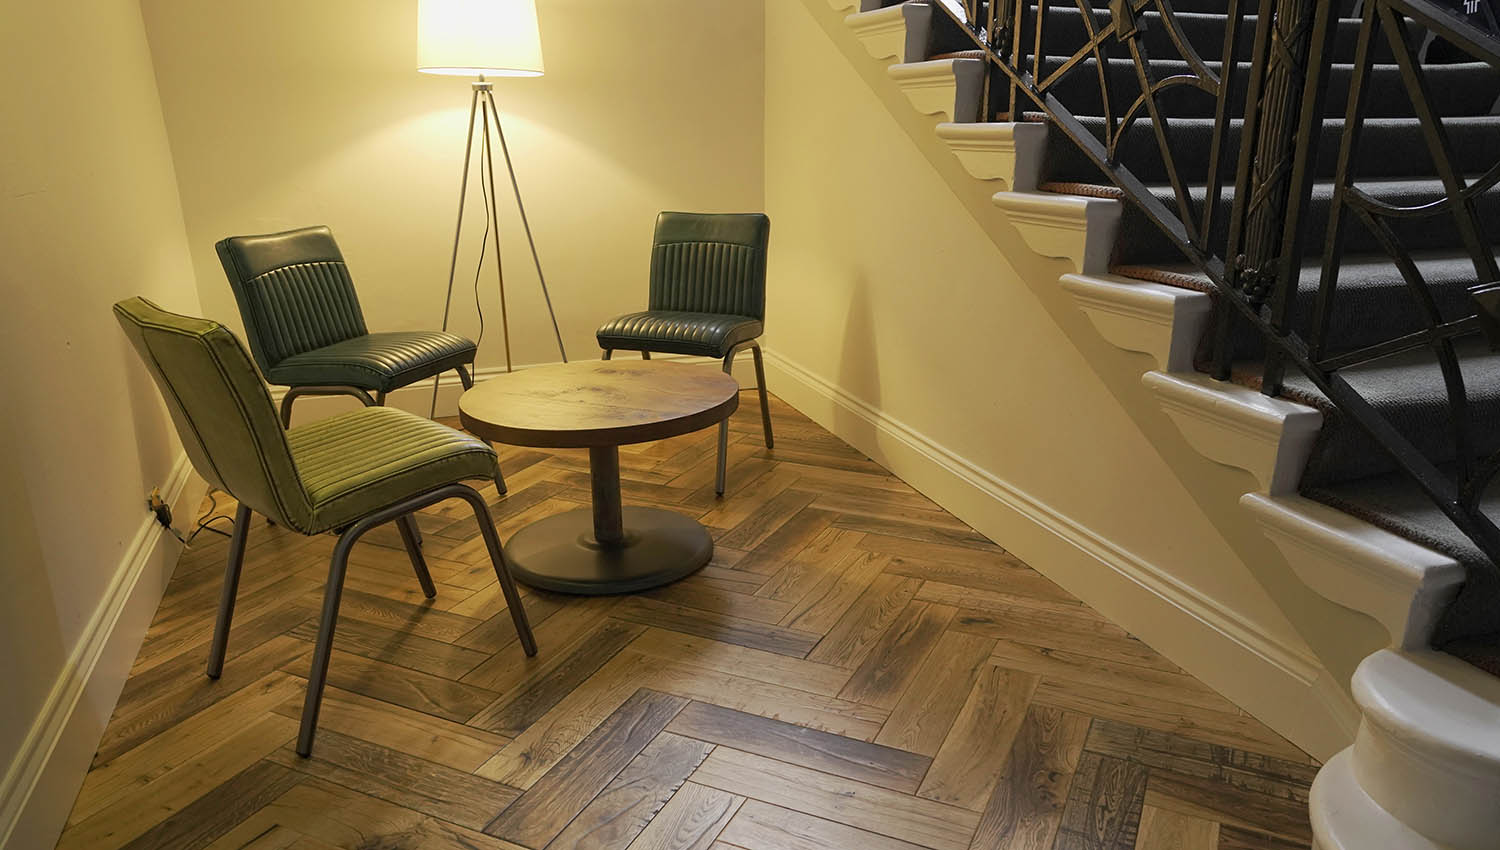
1351,520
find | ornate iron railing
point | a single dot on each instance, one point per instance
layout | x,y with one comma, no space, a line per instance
1270,80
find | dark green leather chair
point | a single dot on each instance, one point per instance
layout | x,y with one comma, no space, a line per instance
306,329
707,298
347,473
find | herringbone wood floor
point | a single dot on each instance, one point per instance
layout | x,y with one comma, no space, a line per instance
856,669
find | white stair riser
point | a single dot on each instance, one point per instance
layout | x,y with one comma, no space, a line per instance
1009,152
1268,437
1163,321
947,87
1064,227
1433,797
900,32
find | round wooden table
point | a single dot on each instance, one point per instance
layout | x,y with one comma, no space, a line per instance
600,406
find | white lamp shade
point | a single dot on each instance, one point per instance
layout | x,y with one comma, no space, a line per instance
473,37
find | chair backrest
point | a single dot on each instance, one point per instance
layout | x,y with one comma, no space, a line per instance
294,292
221,408
710,263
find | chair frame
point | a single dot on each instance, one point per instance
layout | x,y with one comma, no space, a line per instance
402,514
765,404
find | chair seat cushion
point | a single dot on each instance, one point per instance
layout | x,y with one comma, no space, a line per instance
383,362
359,462
704,334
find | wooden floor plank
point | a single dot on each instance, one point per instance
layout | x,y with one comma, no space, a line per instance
451,795
926,712
736,660
847,757
897,656
972,756
691,820
720,627
859,628
1169,830
845,801
537,816
1026,807
631,800
762,826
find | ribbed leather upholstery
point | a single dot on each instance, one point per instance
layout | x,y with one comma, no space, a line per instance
293,290
383,361
312,479
702,334
707,288
710,263
352,464
304,322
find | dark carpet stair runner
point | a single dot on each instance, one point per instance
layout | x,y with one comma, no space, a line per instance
1373,302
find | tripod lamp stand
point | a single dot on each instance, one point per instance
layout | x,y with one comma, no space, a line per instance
484,38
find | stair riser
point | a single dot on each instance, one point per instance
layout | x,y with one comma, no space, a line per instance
1433,796
1143,243
1472,145
1468,89
1065,33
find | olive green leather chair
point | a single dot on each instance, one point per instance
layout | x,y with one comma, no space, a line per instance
347,474
707,298
306,329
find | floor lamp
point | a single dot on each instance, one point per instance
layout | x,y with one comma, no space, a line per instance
484,38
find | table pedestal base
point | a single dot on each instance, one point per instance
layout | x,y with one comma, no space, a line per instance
561,553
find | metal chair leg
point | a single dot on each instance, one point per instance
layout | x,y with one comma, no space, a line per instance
318,676
413,543
231,588
468,384
765,405
608,353
502,570
723,461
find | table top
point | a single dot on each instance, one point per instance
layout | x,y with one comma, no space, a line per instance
593,403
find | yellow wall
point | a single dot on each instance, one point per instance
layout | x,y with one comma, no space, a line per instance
888,294
88,215
285,113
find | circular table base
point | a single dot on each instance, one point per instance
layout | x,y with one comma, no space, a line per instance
559,553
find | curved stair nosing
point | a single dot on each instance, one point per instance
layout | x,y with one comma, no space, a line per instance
1424,770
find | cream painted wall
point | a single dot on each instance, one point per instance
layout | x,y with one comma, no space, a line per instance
886,288
284,113
89,214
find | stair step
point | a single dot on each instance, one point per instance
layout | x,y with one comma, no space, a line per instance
1428,751
948,87
1065,31
1372,301
1468,88
1393,501
1344,817
1389,148
1143,243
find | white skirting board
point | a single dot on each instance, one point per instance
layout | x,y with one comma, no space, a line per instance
1282,685
38,789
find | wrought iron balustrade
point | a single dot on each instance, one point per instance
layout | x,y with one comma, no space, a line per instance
1245,225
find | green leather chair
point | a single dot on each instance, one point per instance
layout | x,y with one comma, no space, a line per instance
347,473
307,332
707,298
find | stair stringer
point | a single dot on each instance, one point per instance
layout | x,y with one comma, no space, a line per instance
1425,765
1318,714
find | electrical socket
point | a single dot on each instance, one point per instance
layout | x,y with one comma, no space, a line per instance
160,508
